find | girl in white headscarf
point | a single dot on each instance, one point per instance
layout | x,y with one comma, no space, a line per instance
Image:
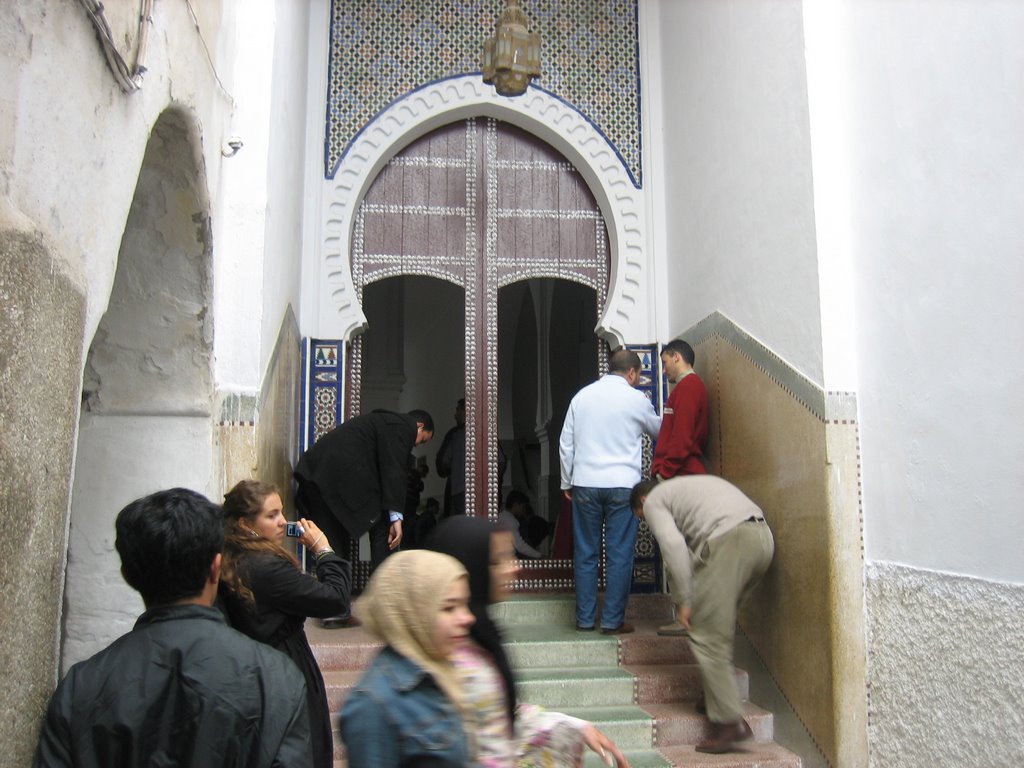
507,733
407,709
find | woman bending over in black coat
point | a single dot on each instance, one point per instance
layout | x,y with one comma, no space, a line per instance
267,597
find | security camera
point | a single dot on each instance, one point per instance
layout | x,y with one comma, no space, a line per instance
234,144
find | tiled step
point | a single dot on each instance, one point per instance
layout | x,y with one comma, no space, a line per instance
529,646
637,688
338,683
535,609
646,647
749,754
631,728
661,683
638,758
561,609
341,648
678,723
560,687
643,758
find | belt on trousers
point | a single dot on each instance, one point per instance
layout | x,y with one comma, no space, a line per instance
754,520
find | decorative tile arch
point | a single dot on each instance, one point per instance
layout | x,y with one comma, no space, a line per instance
550,119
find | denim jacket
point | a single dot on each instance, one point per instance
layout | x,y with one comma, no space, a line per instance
397,716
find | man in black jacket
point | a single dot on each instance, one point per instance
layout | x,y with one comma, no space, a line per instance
182,688
354,478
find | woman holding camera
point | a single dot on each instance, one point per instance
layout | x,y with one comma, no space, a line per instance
266,596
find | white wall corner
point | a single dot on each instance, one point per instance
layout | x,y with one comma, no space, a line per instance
827,105
653,146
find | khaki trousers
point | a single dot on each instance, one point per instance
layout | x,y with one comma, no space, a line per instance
728,568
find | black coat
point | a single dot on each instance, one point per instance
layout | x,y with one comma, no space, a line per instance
284,597
181,688
359,468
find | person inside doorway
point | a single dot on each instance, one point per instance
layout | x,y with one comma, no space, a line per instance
528,529
451,463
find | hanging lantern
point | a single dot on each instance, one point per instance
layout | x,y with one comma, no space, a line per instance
512,55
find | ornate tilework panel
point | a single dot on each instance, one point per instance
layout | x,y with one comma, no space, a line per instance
383,49
647,558
324,368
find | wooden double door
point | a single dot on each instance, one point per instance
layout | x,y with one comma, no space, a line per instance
483,211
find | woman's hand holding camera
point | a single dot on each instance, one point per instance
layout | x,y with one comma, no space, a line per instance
313,538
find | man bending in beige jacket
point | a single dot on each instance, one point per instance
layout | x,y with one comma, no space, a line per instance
716,547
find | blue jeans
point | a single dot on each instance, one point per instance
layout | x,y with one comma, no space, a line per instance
592,510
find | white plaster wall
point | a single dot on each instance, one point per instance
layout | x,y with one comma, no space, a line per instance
289,152
72,143
737,173
936,110
239,249
258,258
100,606
828,67
946,686
71,147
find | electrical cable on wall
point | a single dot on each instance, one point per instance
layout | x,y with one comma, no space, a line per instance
206,49
128,79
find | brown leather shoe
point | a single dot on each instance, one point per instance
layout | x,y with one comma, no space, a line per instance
623,629
724,737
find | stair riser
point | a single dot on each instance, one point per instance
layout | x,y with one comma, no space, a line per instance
629,735
558,694
352,657
651,649
647,689
673,731
637,759
561,654
750,754
525,609
657,687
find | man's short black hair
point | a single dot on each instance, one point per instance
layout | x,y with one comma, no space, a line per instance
424,418
643,488
681,347
167,542
624,361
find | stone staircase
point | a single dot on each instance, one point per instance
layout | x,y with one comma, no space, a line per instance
639,688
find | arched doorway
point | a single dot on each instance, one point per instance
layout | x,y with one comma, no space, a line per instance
488,208
547,351
147,388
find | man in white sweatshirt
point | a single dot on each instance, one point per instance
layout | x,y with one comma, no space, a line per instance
716,547
601,450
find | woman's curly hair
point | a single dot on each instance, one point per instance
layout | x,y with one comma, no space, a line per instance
243,503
